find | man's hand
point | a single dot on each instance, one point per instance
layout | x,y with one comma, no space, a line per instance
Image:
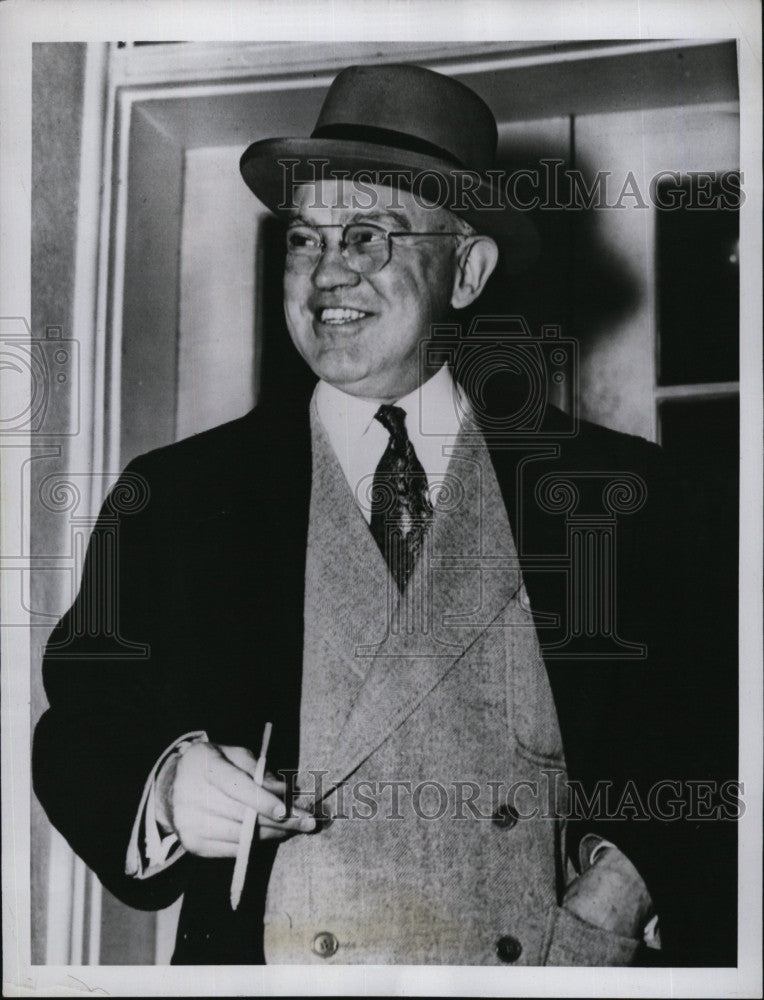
202,796
610,895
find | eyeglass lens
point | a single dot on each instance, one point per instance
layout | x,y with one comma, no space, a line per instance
365,247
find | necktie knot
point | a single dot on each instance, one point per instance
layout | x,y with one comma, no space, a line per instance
393,419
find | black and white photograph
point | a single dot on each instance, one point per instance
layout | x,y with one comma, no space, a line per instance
381,496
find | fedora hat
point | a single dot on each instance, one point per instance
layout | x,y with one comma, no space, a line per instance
405,125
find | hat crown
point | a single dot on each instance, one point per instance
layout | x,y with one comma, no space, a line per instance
410,107
405,126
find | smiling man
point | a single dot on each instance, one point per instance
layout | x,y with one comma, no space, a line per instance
373,571
361,291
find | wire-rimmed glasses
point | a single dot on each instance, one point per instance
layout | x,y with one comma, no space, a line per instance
365,246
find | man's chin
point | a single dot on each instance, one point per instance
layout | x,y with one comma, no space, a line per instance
353,386
352,381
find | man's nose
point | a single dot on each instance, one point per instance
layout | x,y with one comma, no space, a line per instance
332,269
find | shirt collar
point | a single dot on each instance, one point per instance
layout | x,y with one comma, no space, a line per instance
437,406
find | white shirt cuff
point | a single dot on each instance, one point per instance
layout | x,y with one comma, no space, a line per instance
150,851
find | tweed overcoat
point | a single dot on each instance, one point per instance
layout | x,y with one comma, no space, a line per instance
208,546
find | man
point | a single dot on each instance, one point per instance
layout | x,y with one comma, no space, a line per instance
380,574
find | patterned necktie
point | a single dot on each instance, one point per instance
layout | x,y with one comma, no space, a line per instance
401,510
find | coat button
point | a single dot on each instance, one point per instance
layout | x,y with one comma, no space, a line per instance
505,817
325,944
508,949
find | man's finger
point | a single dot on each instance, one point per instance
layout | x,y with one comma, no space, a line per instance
240,757
221,830
224,831
297,822
233,781
216,849
272,832
214,802
274,784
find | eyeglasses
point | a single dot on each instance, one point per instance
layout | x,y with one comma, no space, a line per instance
365,247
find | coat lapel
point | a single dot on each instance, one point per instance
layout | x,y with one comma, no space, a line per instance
345,587
465,577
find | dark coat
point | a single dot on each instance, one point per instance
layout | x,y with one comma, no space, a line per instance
207,634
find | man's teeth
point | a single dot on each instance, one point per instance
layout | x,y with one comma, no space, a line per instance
341,315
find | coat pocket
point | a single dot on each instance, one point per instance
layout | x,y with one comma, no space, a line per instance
573,941
532,713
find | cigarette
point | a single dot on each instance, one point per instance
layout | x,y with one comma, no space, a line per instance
248,827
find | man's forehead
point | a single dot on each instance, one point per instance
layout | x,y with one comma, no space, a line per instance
347,200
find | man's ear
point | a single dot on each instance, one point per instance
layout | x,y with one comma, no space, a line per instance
475,260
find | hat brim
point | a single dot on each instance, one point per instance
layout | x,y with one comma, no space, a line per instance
273,168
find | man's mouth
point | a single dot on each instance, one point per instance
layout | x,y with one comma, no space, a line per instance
338,317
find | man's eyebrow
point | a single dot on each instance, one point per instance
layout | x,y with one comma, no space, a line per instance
400,217
384,216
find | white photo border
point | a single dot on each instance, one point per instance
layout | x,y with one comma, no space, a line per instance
22,24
